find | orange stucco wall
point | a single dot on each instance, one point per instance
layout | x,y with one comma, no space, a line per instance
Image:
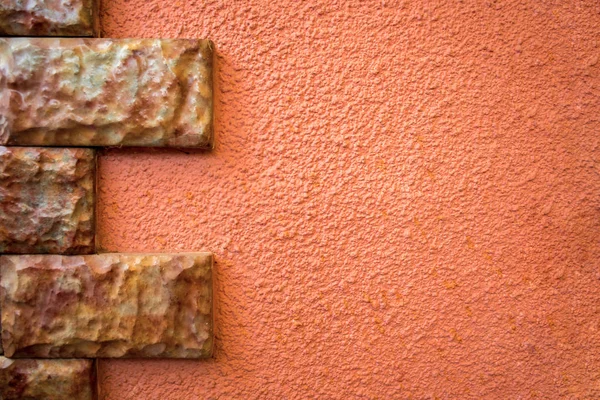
404,200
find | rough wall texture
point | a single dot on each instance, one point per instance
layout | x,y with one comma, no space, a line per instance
403,199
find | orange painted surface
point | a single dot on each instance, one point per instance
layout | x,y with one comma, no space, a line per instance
404,200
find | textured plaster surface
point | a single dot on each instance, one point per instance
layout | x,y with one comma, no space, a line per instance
404,200
107,305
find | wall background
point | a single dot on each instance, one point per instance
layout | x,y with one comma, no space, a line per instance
404,200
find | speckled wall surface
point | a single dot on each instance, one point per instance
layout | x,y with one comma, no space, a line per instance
404,200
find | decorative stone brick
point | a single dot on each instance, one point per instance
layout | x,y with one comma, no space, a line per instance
48,17
47,200
47,379
106,92
107,305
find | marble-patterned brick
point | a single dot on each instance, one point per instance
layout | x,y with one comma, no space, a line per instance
47,200
107,305
48,17
27,379
106,92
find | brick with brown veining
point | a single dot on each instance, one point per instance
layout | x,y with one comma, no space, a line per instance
107,305
28,379
106,92
47,200
48,17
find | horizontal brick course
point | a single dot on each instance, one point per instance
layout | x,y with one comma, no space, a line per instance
107,305
106,92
